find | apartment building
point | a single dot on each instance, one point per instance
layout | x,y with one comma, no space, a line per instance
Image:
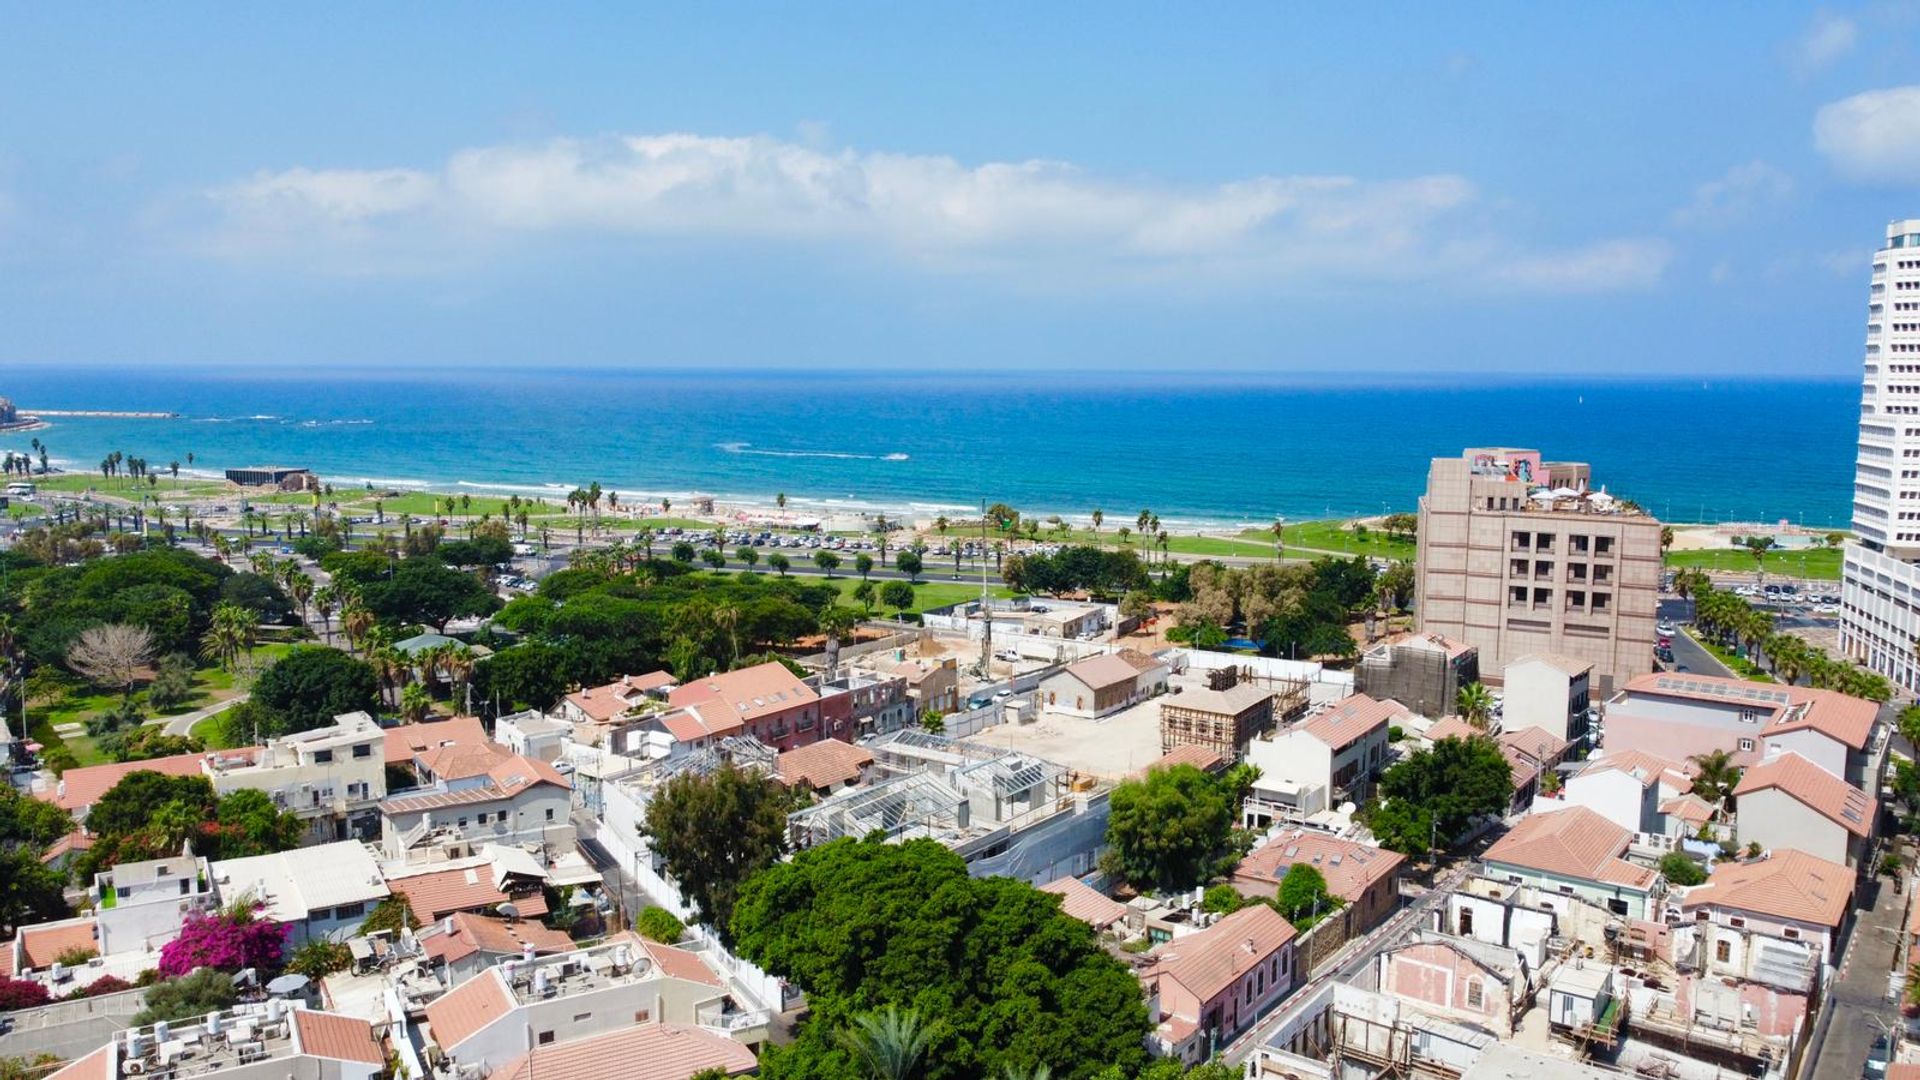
1880,574
1519,555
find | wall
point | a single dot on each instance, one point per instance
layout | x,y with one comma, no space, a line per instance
1775,820
1616,796
1815,747
1442,979
1678,730
1536,695
1593,892
1062,845
69,1029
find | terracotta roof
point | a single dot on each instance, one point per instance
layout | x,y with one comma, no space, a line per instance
677,963
605,703
1542,744
464,1011
1209,961
1351,718
1452,727
343,1038
1819,790
749,693
507,773
73,841
1648,769
479,933
822,764
460,762
408,740
1188,754
1232,701
1413,639
697,722
1522,767
83,787
1350,868
1140,661
1904,1070
1575,842
1789,884
1100,672
640,1052
1691,809
98,1065
44,943
443,892
1565,664
1086,903
1849,720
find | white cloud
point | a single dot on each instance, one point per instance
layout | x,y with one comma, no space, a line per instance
1039,218
1873,137
1736,196
1826,39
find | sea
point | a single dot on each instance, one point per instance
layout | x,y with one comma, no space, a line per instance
1199,451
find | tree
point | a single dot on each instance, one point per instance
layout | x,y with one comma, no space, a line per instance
888,1041
172,684
716,831
136,801
259,594
30,892
1474,703
1303,897
1679,869
780,563
415,703
112,656
897,595
909,563
422,589
320,958
864,594
1433,795
827,561
1715,776
659,924
714,557
1168,830
682,551
863,565
310,686
28,821
197,994
229,634
251,825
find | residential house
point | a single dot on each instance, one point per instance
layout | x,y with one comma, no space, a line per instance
1424,671
1097,686
1089,905
139,906
856,704
596,711
409,741
1776,920
1204,988
1578,853
640,1052
1207,761
1154,670
765,701
932,685
1459,979
1629,788
1683,715
1221,719
1364,878
824,767
1788,801
1324,759
1550,691
269,1039
320,892
464,943
481,883
46,953
533,734
483,794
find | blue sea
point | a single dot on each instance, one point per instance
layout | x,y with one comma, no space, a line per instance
1214,451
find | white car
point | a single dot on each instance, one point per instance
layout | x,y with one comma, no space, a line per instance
1665,628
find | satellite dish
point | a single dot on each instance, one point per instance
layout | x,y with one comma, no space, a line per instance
508,911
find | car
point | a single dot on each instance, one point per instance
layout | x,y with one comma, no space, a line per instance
1666,629
1682,668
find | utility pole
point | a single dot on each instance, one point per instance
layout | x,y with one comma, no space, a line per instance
986,606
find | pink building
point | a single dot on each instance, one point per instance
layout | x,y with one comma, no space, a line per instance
765,701
1678,716
1206,988
1458,979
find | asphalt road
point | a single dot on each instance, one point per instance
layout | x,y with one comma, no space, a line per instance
1857,1000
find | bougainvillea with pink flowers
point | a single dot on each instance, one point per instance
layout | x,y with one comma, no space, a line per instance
20,993
225,941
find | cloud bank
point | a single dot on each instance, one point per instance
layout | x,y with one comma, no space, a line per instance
1873,137
1038,217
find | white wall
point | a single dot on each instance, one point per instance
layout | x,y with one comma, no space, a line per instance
1777,821
1536,695
1616,796
1815,747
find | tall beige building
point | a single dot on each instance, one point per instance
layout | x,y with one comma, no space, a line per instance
1520,555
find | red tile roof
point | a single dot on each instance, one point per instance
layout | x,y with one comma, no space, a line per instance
1538,742
1849,720
1352,718
81,788
408,740
1814,787
1209,961
464,1011
641,1052
1350,868
823,764
1086,903
696,722
75,841
507,774
343,1038
1575,842
1789,884
1648,769
1102,671
506,937
44,943
99,1065
677,963
442,892
749,693
1692,809
605,703
1199,757
1452,727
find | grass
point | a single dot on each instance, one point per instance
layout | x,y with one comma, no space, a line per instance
127,486
926,595
1179,545
429,504
210,686
1820,563
1336,537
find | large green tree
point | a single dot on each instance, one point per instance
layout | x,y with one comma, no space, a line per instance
29,891
1433,795
309,686
1169,830
999,976
716,831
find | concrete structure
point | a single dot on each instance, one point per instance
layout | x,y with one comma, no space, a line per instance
1365,878
1629,788
1204,988
1679,716
1459,979
1880,574
321,892
1519,556
1328,757
1092,688
1577,853
140,906
532,734
274,476
266,1041
1221,718
857,704
482,794
1788,802
1549,691
1424,672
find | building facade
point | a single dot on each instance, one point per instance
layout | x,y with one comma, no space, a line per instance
1880,575
1517,556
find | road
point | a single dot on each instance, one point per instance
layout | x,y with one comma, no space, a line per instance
1857,1011
183,724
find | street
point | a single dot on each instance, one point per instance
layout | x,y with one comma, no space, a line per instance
1857,1011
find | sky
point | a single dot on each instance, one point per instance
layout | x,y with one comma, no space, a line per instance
1518,188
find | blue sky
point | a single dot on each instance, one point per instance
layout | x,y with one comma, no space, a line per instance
1525,188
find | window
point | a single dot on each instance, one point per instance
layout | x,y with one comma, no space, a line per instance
1476,998
1746,745
363,750
350,911
322,757
641,1016
185,886
1723,951
462,822
581,1018
549,813
1790,933
1700,916
1617,906
1566,890
546,1037
1736,922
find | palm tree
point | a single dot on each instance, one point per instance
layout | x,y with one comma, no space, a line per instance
1666,538
1758,546
1475,705
727,618
415,703
888,1041
645,538
356,620
1098,518
456,661
780,500
229,634
324,601
1716,776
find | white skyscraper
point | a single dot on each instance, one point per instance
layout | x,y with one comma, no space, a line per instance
1880,594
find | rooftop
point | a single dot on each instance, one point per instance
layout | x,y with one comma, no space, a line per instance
1349,867
605,703
750,693
435,893
462,934
1350,719
1086,903
1208,962
641,1052
1814,787
1576,843
293,883
1848,720
403,743
1440,643
1647,769
1102,671
822,764
1561,662
1188,754
1232,701
1788,884
244,1036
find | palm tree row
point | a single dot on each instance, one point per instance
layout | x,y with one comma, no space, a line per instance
1731,621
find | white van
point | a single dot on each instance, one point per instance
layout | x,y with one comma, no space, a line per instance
20,489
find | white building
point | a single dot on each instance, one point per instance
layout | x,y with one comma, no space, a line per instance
324,891
1880,578
332,777
479,794
1548,691
140,906
1328,757
265,1041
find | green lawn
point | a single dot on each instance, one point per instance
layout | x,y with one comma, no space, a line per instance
210,685
926,595
427,503
128,487
1821,563
1334,536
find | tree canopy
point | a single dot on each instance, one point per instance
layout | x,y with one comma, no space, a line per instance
999,975
716,831
1433,795
309,686
1104,572
1171,829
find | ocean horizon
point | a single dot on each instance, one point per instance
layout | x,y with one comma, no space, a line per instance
1219,449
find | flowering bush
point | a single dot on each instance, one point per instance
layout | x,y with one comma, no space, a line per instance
105,984
225,941
21,993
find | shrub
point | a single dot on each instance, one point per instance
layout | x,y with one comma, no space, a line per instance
1679,869
1395,733
659,924
1222,899
21,993
105,984
320,958
76,955
392,915
197,994
225,941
